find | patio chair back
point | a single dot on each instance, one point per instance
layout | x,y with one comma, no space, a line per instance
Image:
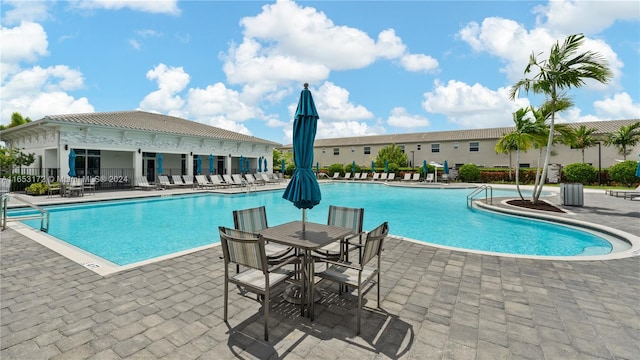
346,217
243,248
252,220
373,244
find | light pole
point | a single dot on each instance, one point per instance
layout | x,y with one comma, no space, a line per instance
412,158
599,163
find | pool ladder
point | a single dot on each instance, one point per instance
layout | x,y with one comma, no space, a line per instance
43,214
488,195
248,185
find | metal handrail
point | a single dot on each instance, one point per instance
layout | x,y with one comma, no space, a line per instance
488,195
43,216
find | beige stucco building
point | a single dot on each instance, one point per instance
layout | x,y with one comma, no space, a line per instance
117,145
458,147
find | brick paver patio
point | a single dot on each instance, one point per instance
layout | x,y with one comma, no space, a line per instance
437,304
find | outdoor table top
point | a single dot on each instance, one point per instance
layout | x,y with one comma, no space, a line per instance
314,237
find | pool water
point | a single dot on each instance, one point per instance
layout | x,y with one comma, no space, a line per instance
128,231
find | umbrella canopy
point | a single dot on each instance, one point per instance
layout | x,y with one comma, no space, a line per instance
72,163
373,166
211,162
303,189
386,166
353,167
424,167
247,164
638,169
259,165
198,164
241,161
282,167
446,167
265,164
317,167
159,159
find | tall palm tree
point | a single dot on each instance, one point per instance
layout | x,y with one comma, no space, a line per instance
525,134
584,139
563,70
625,138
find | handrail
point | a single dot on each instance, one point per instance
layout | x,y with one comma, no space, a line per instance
488,195
43,216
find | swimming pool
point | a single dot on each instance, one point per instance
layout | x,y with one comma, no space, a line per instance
129,231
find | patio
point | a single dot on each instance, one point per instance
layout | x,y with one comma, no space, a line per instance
438,304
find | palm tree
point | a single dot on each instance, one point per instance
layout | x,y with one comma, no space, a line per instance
561,71
625,138
525,134
584,139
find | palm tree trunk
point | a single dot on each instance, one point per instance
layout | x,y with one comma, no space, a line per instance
518,174
583,155
547,158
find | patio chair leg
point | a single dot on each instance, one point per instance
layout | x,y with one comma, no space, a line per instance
226,297
358,312
265,304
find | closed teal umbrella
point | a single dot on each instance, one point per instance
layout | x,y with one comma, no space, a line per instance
72,163
198,165
445,167
317,167
265,164
259,165
373,166
303,189
638,169
424,169
211,163
247,165
386,166
353,167
241,161
160,158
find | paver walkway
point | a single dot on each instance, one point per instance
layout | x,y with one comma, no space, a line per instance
438,304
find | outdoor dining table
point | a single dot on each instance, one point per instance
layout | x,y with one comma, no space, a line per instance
312,238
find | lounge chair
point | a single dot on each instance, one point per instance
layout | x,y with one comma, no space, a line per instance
364,176
415,177
248,249
267,179
336,176
391,176
165,183
74,186
376,176
53,187
347,176
631,194
252,180
203,182
177,181
445,178
383,176
429,178
360,275
217,182
356,176
143,183
407,177
188,181
238,180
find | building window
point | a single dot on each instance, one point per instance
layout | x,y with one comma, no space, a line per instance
353,149
323,149
435,148
456,145
474,146
367,150
419,147
402,148
336,151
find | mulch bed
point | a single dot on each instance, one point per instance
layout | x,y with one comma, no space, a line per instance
541,205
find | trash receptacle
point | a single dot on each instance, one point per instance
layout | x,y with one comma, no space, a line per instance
572,194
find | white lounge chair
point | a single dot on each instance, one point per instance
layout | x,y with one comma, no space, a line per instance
356,176
217,182
376,176
165,183
143,183
238,180
631,194
392,176
364,176
177,180
336,175
229,180
407,177
252,180
429,178
415,177
267,179
188,180
347,176
383,176
203,182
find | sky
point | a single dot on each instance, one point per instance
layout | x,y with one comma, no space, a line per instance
373,67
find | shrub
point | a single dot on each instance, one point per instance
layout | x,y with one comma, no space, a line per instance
469,173
335,168
624,173
393,168
580,173
347,169
37,189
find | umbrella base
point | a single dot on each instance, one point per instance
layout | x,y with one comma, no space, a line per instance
293,294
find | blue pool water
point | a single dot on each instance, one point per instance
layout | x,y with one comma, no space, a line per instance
129,231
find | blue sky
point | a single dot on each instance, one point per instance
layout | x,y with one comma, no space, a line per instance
374,67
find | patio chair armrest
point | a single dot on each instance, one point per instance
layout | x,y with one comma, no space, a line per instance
290,260
342,263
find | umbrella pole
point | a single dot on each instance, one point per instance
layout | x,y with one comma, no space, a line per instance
304,218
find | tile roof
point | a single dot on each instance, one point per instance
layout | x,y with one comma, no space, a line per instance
145,121
454,135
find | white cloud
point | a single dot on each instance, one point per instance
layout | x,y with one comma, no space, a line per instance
134,44
589,17
390,45
169,7
419,63
24,11
621,106
333,104
513,44
24,43
401,118
472,106
219,101
223,123
170,82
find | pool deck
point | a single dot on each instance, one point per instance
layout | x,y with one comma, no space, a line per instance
436,304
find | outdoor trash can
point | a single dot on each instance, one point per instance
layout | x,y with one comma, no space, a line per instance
571,194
